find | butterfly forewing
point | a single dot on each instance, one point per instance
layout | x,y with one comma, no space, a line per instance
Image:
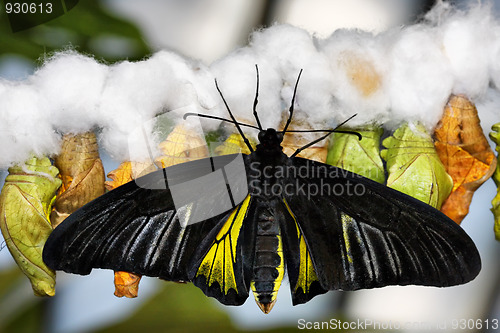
375,236
139,229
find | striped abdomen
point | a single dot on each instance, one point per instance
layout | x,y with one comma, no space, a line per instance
268,267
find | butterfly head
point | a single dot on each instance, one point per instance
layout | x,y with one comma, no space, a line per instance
270,141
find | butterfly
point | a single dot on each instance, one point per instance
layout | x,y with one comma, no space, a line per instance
235,223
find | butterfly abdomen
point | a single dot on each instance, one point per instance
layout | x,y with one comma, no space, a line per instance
268,267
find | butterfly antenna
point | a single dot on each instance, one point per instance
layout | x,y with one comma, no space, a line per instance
234,119
293,103
201,115
256,100
335,130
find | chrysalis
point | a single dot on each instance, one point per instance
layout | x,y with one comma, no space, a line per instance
233,145
126,172
495,136
181,145
81,172
414,167
25,204
359,156
465,153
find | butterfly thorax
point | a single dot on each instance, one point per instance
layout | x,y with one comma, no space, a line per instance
265,163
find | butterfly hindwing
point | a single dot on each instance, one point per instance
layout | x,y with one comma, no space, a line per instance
377,236
220,272
304,282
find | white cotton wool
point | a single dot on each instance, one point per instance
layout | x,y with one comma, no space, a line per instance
135,92
26,127
488,108
404,74
466,39
357,65
494,56
72,85
237,79
203,82
419,78
291,49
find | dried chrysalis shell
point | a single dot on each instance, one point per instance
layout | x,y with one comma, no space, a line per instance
181,145
495,136
234,144
25,204
126,284
414,167
359,156
126,172
81,172
465,153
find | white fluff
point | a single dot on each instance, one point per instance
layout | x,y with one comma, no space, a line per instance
344,49
413,71
237,79
467,39
72,85
419,77
135,92
291,49
25,128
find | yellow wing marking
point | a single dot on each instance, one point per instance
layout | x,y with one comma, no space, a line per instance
280,268
346,220
307,274
218,263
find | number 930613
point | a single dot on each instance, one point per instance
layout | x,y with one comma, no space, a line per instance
474,324
28,8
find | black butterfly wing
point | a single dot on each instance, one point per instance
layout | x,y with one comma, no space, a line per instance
304,281
361,234
137,228
224,269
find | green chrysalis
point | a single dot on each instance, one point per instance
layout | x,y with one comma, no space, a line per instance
359,156
414,167
25,204
495,136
